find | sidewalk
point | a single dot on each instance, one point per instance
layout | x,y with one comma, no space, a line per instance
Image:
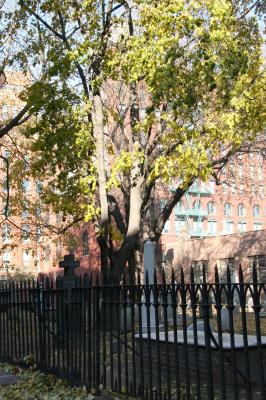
7,378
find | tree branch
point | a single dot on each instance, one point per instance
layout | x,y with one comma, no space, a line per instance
16,121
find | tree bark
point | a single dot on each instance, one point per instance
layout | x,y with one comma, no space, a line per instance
98,130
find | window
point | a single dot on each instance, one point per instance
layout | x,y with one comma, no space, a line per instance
224,186
26,258
260,173
223,265
253,190
261,190
259,262
233,188
179,208
47,217
240,158
26,186
197,205
26,233
240,171
25,210
241,210
257,226
197,227
26,162
6,233
14,111
198,270
59,248
4,183
5,111
6,153
59,218
229,227
252,171
228,209
6,257
166,227
256,211
47,253
37,261
212,186
242,226
39,187
180,225
211,207
38,212
85,244
212,227
38,233
241,188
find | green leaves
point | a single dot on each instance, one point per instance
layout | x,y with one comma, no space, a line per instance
35,385
178,82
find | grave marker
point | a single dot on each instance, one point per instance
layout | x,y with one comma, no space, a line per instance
149,267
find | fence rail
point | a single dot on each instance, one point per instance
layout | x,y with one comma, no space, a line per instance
175,340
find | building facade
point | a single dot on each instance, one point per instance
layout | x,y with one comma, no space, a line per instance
221,224
209,216
27,243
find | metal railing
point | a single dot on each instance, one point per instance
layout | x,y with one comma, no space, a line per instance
172,339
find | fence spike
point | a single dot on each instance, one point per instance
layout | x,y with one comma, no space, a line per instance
216,275
86,279
139,279
254,274
240,274
228,274
182,278
192,275
97,279
147,278
124,278
204,273
147,392
154,277
173,277
163,277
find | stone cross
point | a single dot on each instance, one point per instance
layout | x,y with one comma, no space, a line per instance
69,264
67,306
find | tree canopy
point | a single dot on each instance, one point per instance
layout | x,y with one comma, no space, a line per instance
133,98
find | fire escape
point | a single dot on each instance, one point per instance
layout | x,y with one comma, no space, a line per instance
189,213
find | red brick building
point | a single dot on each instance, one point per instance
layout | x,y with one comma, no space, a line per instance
210,216
221,224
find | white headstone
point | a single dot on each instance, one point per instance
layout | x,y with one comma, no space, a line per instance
225,319
149,266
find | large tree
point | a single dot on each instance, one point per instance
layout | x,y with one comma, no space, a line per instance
134,100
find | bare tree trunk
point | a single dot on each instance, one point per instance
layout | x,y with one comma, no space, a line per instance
98,130
126,252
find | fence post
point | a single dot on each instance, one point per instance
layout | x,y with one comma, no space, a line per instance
40,311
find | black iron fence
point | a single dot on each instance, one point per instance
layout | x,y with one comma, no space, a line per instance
180,340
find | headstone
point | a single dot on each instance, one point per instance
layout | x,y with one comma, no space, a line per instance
69,307
149,266
69,264
225,320
250,304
